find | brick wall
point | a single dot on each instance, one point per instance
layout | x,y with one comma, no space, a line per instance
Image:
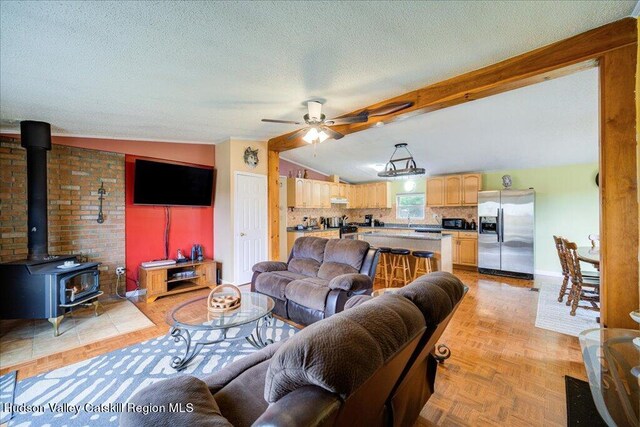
74,176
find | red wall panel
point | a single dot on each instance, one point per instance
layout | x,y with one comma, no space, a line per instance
145,225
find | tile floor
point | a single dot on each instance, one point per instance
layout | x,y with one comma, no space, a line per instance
25,340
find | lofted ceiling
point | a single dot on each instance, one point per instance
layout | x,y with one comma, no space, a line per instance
206,71
547,124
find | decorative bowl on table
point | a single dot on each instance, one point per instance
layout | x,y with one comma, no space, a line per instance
220,301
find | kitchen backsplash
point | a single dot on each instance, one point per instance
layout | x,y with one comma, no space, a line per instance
432,215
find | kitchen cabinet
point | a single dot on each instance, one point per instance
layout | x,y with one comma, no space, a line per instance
342,191
468,251
327,234
435,191
464,247
359,197
382,192
316,194
453,190
298,193
471,184
325,194
335,189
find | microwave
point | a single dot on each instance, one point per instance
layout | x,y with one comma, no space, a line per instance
454,223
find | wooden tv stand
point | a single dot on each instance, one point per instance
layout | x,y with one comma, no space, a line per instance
167,280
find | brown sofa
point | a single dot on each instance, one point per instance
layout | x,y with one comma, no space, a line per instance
370,365
318,279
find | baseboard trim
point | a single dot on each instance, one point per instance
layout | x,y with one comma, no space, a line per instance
547,273
136,293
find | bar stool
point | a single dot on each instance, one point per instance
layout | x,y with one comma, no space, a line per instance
384,263
400,262
423,263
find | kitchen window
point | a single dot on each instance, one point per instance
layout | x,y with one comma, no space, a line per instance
410,205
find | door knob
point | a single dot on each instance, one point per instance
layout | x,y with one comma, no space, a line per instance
242,234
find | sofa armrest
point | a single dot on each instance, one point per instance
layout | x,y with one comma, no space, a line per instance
351,282
266,266
307,406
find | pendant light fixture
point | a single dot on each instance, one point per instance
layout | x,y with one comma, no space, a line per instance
410,168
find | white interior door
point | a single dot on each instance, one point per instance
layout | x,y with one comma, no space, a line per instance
282,182
250,224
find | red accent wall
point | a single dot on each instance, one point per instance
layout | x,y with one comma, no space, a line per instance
145,225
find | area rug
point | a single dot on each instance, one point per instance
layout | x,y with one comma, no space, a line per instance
83,389
7,388
26,340
581,410
554,316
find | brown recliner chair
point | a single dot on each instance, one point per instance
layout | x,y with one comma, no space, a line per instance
369,365
318,279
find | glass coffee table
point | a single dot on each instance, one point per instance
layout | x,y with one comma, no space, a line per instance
613,367
191,317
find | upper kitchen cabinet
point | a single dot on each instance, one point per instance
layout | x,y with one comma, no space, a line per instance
435,191
298,193
453,190
382,192
471,184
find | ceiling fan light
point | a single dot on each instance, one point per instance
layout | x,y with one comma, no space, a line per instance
311,136
322,136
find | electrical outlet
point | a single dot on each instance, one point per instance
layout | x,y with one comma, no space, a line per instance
120,271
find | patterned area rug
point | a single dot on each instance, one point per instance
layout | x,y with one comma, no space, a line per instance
114,377
7,387
554,316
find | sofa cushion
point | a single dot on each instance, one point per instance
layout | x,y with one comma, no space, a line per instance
342,256
183,389
274,283
361,338
309,292
434,294
307,255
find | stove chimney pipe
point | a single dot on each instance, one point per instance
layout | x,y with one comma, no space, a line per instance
35,137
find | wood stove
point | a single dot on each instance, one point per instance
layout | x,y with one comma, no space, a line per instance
42,286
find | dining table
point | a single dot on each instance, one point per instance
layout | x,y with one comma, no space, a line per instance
589,254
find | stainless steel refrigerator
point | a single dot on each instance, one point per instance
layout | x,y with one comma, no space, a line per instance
506,227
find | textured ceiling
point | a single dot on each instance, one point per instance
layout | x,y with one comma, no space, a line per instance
551,123
205,71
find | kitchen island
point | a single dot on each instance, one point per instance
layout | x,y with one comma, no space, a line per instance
438,243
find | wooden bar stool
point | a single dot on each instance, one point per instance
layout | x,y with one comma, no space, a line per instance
400,267
384,264
423,263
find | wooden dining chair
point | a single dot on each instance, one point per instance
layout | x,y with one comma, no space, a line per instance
578,282
562,255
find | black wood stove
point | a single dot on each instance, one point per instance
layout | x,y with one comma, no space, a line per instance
43,286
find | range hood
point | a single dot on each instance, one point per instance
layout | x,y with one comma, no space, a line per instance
339,201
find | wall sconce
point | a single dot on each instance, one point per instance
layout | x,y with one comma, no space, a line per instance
101,192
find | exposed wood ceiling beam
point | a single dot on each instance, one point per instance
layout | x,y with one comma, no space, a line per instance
551,61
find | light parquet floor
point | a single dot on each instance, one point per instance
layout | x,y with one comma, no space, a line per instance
503,370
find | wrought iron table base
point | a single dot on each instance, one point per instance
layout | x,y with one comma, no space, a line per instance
441,353
255,338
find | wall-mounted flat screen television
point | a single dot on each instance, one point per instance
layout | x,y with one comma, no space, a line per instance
168,184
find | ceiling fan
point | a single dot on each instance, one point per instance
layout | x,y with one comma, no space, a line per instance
317,125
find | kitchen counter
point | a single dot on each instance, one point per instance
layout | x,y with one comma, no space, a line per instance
422,227
416,236
441,245
310,230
